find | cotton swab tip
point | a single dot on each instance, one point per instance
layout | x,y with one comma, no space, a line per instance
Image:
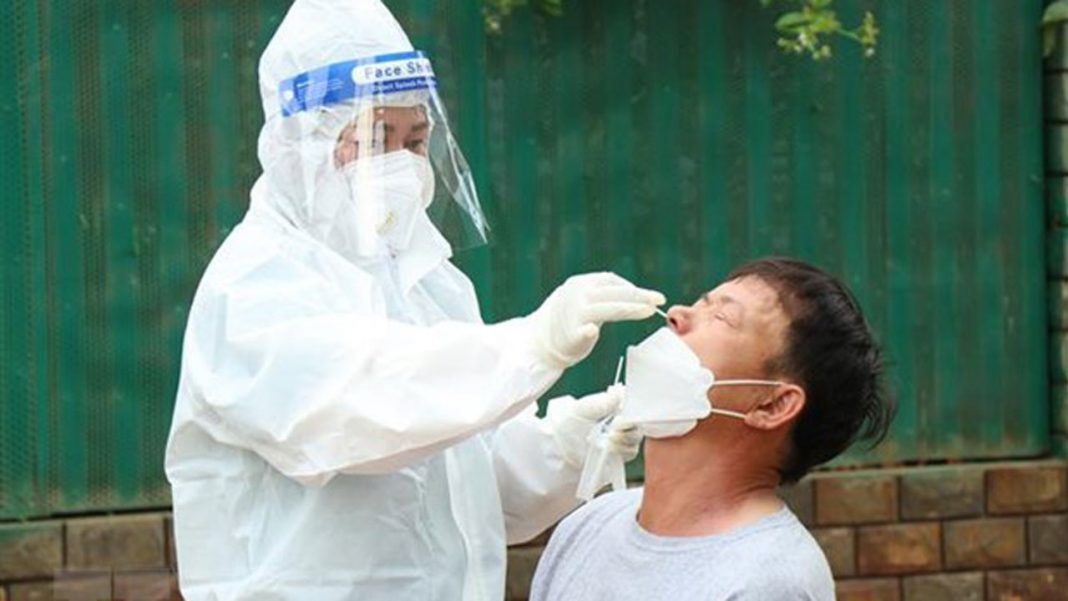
619,371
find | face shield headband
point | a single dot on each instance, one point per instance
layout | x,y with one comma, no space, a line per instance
360,78
341,92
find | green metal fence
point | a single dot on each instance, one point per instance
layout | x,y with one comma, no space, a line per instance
664,141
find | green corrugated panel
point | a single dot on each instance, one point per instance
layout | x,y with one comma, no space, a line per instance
667,142
128,150
671,143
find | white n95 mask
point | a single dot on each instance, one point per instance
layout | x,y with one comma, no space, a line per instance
667,387
391,192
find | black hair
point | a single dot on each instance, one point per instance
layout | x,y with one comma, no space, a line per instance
830,351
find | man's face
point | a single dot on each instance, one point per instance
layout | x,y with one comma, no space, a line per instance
734,330
390,129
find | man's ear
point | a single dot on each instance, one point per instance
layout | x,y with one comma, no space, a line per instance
780,410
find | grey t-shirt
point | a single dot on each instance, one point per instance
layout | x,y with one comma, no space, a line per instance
600,552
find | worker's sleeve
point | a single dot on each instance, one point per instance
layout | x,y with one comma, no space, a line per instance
537,485
316,382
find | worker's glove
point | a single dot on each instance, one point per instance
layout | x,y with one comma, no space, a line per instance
568,323
625,441
574,421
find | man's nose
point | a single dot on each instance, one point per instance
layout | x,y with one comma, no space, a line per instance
679,319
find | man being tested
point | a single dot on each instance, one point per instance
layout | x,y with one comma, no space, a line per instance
765,377
346,427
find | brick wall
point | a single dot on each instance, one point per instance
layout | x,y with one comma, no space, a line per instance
996,532
128,558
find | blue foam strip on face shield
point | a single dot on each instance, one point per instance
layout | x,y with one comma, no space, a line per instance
337,82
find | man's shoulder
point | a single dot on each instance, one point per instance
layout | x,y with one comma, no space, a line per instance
600,510
784,561
578,535
592,520
616,500
785,535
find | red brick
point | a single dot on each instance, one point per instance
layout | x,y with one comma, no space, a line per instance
800,498
985,543
838,545
872,589
945,492
94,588
521,564
899,549
1043,584
116,543
146,586
856,500
965,586
1048,536
31,550
31,591
1027,489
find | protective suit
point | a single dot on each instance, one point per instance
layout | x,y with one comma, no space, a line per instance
346,427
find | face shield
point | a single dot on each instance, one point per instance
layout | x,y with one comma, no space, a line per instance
382,154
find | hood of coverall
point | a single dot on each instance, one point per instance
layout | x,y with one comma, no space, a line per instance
301,180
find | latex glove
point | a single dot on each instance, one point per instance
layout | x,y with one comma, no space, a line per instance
608,452
568,324
625,441
574,420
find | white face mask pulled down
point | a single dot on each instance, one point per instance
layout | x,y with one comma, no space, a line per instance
667,387
665,396
391,193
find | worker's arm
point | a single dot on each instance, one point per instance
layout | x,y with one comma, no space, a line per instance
317,382
539,461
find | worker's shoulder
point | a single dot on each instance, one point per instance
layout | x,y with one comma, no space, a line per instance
246,249
257,258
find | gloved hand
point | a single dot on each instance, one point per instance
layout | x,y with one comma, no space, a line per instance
626,441
573,420
568,323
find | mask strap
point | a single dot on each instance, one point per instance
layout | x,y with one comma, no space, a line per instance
728,413
746,383
737,414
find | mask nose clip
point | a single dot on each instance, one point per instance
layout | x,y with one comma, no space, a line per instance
394,191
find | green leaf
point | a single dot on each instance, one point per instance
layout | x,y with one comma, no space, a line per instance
1049,40
553,8
791,20
1055,13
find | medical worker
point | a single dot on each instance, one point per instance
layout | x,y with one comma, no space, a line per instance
346,427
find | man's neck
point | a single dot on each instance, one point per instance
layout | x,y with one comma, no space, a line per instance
695,491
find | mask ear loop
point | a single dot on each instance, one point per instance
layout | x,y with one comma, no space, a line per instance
737,414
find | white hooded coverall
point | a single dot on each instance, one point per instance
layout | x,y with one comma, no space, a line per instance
347,428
